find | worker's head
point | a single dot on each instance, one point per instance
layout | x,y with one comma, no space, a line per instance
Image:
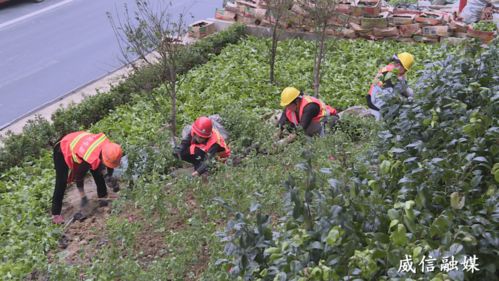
202,129
405,61
111,154
290,97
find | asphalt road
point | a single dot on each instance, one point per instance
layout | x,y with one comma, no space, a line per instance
49,49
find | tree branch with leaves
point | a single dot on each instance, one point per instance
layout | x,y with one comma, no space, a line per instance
320,11
151,36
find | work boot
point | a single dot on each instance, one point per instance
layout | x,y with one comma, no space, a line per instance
103,203
58,219
79,216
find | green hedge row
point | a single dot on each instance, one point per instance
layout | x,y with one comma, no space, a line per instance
39,134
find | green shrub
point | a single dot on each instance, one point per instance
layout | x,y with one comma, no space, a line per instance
183,209
34,233
247,129
37,135
434,194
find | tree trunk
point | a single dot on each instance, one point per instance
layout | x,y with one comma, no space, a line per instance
318,61
273,51
173,96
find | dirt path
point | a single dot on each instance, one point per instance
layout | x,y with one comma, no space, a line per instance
83,240
80,233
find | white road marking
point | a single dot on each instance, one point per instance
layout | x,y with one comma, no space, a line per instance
46,9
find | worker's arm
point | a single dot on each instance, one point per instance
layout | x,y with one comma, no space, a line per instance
100,181
283,121
109,172
214,149
403,88
183,146
388,79
309,112
110,181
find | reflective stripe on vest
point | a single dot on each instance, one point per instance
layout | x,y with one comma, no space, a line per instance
82,146
76,159
216,138
92,147
323,110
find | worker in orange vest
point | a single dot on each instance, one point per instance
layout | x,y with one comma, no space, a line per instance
306,111
201,141
386,79
74,155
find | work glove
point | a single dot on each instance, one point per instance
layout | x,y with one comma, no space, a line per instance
177,150
278,135
203,167
289,139
112,182
84,201
57,219
333,121
103,203
79,216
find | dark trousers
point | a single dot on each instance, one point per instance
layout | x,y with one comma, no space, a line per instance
196,159
61,179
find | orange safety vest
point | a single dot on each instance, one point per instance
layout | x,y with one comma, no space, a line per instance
82,146
388,68
216,138
325,110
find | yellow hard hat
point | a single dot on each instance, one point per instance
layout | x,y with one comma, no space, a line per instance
406,59
288,95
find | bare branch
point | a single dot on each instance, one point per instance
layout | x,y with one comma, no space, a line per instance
277,11
153,28
320,11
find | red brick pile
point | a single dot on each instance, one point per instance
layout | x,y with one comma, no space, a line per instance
362,18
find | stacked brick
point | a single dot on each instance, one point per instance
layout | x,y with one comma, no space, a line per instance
362,18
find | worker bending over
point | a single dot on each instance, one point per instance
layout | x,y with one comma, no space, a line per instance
202,141
74,155
386,81
304,111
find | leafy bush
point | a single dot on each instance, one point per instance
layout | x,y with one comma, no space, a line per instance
442,149
251,133
25,192
234,85
434,194
140,130
240,73
203,50
27,231
485,26
37,134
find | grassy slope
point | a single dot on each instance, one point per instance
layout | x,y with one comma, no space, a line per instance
236,80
